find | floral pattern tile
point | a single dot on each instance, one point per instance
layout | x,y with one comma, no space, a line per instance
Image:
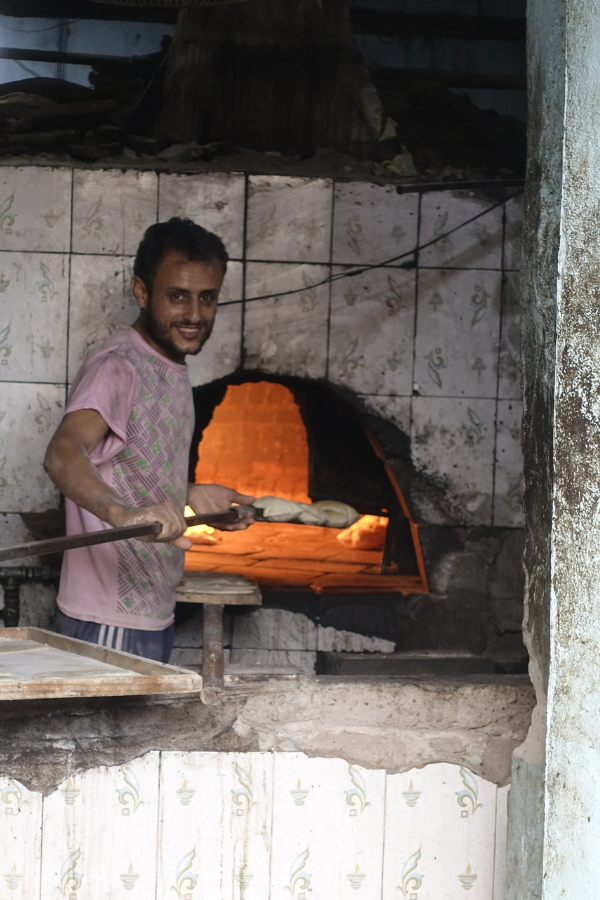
99,833
372,223
29,415
509,386
453,445
508,496
33,316
35,208
101,301
443,853
214,200
245,826
458,329
221,354
112,209
474,246
393,409
372,325
286,334
289,219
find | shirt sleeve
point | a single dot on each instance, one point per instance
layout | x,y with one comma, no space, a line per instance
107,384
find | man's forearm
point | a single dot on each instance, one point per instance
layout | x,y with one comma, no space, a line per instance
75,475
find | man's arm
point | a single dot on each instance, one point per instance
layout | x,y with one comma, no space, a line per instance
214,498
69,466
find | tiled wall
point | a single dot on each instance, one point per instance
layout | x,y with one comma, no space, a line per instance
253,826
435,348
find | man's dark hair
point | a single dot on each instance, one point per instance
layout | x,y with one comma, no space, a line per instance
182,235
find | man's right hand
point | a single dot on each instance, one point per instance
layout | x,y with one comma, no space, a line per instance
166,513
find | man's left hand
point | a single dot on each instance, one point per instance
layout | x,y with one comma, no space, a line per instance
215,498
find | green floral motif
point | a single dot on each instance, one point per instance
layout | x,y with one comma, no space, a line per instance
129,795
299,879
126,452
46,285
5,347
435,363
129,602
7,219
243,796
411,879
12,797
70,879
142,465
393,298
474,430
156,448
469,795
44,417
479,301
185,879
141,491
356,796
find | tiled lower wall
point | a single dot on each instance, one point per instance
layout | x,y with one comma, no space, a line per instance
254,826
435,348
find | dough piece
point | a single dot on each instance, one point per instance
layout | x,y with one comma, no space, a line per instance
277,509
340,515
366,534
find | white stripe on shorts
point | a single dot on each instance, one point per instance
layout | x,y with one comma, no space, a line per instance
110,635
101,635
120,635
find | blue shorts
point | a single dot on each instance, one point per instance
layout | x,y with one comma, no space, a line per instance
149,644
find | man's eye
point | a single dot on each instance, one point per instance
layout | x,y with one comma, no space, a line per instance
207,298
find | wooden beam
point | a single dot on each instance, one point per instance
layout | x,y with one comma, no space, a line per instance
87,9
391,24
77,59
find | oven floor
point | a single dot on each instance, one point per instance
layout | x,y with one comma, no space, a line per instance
297,557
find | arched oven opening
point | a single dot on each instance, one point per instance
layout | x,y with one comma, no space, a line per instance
304,441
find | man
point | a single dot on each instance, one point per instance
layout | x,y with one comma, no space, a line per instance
120,455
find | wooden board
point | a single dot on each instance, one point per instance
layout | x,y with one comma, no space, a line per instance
35,664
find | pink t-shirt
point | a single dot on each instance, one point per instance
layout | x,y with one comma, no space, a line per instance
147,401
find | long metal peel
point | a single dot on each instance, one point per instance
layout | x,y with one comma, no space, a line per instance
106,536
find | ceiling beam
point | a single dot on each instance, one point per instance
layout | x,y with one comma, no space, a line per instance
389,24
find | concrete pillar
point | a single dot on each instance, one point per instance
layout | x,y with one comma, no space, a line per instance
554,807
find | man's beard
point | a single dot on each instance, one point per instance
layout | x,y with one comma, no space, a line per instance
161,334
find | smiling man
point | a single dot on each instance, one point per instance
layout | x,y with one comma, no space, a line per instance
120,455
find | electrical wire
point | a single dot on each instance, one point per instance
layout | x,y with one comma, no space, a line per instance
360,270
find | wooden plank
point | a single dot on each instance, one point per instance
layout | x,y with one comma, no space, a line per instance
100,831
376,584
222,806
20,838
139,676
328,819
220,599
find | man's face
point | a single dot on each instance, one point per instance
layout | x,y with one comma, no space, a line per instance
177,316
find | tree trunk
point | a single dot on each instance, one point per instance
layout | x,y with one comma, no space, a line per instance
270,75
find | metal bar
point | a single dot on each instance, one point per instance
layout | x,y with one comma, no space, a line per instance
213,666
106,536
76,59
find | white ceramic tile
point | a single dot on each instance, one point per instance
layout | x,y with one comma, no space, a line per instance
274,629
221,354
286,335
274,660
508,497
29,415
13,530
458,329
233,286
453,444
112,209
512,233
20,840
101,300
474,246
327,829
372,223
394,409
214,200
289,219
35,208
509,383
221,842
33,316
500,847
100,831
372,324
439,834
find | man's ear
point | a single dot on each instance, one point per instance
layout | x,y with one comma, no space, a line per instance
139,291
